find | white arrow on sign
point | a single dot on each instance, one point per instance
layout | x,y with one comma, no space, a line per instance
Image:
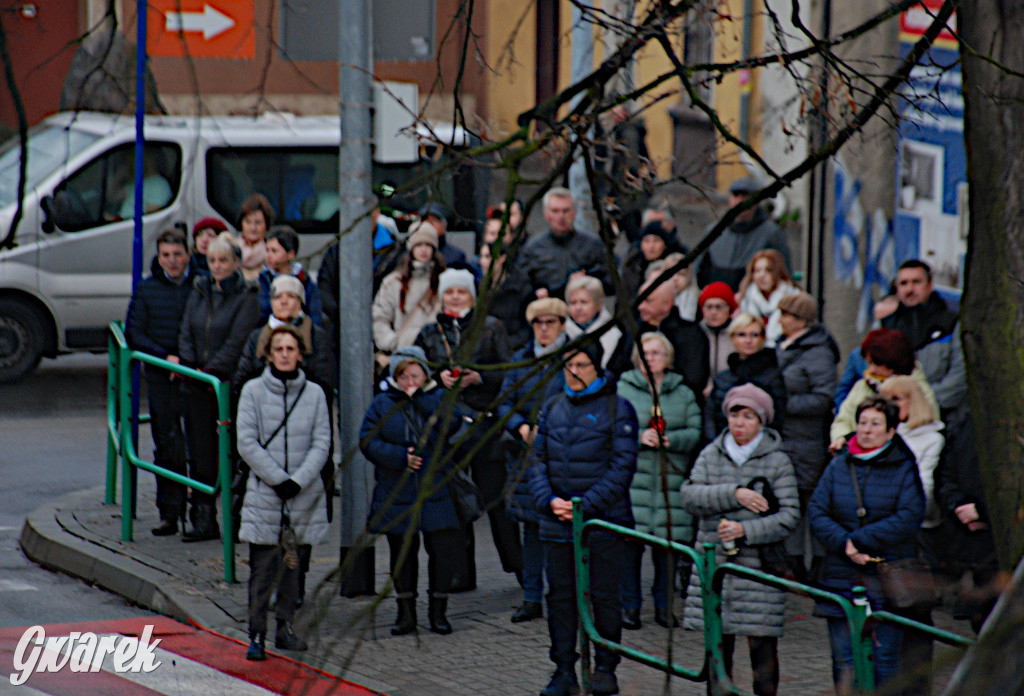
210,21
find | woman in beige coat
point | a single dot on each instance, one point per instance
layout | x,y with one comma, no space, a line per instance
407,299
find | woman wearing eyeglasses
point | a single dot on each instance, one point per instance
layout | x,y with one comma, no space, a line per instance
525,390
752,362
669,433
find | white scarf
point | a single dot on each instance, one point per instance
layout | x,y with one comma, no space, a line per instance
741,453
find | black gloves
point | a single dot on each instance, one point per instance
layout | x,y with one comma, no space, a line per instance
286,490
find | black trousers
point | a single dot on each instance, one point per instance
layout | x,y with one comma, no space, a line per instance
764,663
267,569
490,475
201,427
442,545
607,554
166,410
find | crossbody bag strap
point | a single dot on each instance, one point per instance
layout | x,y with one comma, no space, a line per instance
862,512
286,416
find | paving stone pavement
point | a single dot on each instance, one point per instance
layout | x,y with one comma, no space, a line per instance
486,654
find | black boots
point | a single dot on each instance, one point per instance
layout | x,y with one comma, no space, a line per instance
204,524
406,621
436,613
663,618
528,612
168,527
286,638
257,647
631,619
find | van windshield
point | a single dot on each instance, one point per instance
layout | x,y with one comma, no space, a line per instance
49,147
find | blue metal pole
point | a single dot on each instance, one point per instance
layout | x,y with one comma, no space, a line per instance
140,174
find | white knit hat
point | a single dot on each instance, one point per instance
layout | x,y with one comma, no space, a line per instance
288,283
456,278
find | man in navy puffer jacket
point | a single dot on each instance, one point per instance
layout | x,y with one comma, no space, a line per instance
586,446
154,321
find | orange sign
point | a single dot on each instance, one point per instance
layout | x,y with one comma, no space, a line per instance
201,28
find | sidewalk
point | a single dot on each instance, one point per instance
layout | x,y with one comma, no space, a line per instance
79,535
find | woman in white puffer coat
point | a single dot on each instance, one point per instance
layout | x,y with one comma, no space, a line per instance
284,432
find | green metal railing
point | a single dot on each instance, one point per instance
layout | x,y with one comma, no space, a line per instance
712,577
121,445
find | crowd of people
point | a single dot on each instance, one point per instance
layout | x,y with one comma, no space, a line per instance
709,411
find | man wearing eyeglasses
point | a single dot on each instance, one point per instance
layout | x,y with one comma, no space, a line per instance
586,446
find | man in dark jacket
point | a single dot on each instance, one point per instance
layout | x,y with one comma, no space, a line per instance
552,259
934,332
658,312
586,446
752,230
154,320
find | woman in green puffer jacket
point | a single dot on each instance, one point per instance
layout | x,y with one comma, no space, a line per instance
669,434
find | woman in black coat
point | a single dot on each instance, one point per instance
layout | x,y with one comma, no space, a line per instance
751,362
446,342
221,312
807,356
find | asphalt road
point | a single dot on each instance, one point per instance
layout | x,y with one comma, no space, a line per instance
52,429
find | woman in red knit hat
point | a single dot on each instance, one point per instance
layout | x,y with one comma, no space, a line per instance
717,302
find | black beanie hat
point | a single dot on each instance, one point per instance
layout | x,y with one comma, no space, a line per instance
593,350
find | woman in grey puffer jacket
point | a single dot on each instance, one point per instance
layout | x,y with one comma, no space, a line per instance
284,432
721,491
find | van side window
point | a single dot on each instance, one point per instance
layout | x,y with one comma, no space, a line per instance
301,183
103,191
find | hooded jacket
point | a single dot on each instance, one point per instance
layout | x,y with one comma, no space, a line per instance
317,362
394,423
394,325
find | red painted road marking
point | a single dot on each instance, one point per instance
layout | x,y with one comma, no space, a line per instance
279,674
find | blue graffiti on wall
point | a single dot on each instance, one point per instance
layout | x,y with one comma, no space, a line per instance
850,225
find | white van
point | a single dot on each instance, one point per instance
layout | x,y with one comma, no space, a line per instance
69,272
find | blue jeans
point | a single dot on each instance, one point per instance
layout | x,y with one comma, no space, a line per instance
886,653
606,554
533,563
665,565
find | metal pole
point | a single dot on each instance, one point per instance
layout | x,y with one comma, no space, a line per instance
140,174
582,65
355,294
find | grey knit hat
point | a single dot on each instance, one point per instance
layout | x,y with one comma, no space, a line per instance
421,232
409,354
754,398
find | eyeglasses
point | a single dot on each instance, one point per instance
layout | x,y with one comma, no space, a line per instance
546,322
655,354
578,365
747,334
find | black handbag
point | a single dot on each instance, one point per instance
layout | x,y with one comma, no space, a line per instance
774,559
466,498
906,582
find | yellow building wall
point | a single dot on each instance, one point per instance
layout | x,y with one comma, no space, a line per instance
511,53
728,47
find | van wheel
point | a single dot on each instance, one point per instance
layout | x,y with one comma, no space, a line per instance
21,339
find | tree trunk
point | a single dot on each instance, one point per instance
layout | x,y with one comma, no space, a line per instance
992,312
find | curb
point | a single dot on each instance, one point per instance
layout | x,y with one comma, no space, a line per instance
47,538
48,542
